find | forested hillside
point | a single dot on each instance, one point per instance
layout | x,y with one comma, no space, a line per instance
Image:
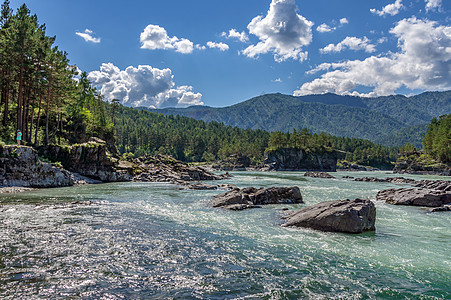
143,132
39,94
376,119
437,141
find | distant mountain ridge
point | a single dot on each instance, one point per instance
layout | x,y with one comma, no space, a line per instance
376,119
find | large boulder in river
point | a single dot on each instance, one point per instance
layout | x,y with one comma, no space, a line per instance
415,197
252,197
351,216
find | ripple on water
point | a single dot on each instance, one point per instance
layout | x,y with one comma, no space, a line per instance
142,240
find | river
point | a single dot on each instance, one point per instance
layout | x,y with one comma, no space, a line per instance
153,240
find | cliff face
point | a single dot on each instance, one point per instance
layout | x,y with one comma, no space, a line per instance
90,159
290,159
20,166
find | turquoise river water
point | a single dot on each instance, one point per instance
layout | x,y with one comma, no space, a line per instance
155,241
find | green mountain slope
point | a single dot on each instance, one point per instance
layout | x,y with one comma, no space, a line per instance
368,118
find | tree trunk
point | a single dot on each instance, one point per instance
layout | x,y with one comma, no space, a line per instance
20,97
5,98
47,116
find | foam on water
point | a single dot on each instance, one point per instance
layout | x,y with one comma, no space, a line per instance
145,240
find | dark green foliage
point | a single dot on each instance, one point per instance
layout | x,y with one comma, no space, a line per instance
437,141
39,94
143,132
413,135
367,118
300,140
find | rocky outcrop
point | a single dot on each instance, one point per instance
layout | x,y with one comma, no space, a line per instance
161,168
440,185
233,163
418,163
20,166
351,216
206,186
290,159
415,197
251,197
90,159
318,175
345,166
400,180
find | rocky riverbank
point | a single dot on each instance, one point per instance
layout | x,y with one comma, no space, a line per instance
420,164
20,166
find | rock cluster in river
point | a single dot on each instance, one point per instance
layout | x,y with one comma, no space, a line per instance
350,216
318,175
162,168
415,197
251,197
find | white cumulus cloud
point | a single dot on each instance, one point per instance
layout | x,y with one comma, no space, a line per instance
155,37
233,33
391,9
344,21
282,32
423,62
325,28
88,36
220,46
350,42
143,86
433,4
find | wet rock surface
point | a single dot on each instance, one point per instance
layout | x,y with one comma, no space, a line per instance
161,168
350,216
318,175
415,197
400,180
251,197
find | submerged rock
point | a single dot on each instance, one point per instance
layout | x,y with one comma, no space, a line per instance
318,175
446,207
351,216
415,197
251,197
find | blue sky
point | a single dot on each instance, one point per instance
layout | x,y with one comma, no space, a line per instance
218,53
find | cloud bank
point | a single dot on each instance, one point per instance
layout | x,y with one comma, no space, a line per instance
390,9
433,4
155,37
220,46
88,36
233,33
423,62
352,43
143,86
282,32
